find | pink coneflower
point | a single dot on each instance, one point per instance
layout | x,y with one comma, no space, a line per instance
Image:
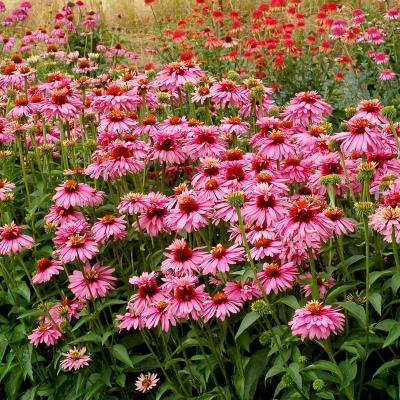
72,193
65,310
47,268
116,121
95,281
307,108
392,14
12,240
132,203
317,321
204,141
109,226
5,187
371,111
214,189
363,137
77,245
84,66
75,359
45,333
168,147
61,104
277,277
181,259
306,222
148,291
387,74
276,146
342,225
146,382
234,125
210,168
153,220
201,94
188,299
130,320
386,220
58,215
173,76
190,213
174,124
235,173
323,284
220,259
22,108
159,313
116,97
149,125
266,247
379,57
265,207
295,169
244,291
228,93
221,305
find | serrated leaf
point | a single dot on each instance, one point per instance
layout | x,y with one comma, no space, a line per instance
349,372
247,321
294,373
275,370
395,283
120,353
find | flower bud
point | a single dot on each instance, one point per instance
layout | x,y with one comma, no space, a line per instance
389,112
318,385
364,208
260,307
236,199
332,179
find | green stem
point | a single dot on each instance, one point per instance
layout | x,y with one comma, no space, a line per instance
395,251
314,275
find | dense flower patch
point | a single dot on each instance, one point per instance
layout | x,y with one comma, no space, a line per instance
184,232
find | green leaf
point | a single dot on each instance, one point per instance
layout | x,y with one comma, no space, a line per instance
355,310
323,365
375,299
376,275
27,361
386,366
23,290
393,335
395,283
255,368
294,372
247,321
336,290
290,301
30,394
275,370
89,337
121,380
120,352
349,370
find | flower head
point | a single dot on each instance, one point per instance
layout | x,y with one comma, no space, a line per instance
75,359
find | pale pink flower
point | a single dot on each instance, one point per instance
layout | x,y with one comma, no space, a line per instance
386,220
132,203
146,382
317,321
130,320
244,291
342,225
148,291
276,146
45,333
190,213
168,147
387,74
221,305
307,108
12,240
159,313
72,193
265,207
95,281
204,141
75,359
181,259
109,226
173,76
47,268
220,259
266,247
58,215
188,299
228,93
116,121
277,277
